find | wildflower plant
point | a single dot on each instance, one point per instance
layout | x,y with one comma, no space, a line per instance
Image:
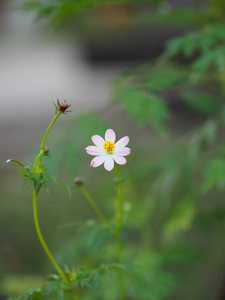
191,69
37,175
107,151
68,281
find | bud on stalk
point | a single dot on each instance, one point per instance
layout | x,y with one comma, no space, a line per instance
63,106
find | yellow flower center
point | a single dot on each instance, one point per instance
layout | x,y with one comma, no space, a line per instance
109,146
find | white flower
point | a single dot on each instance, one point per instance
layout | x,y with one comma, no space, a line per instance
107,151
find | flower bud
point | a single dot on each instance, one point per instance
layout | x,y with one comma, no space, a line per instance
46,150
63,106
116,180
78,181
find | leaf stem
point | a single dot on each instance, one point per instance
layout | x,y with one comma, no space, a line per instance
120,202
119,222
96,208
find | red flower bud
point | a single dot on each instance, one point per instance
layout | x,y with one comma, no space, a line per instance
63,106
78,181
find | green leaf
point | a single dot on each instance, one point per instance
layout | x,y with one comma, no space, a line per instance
145,108
37,295
212,58
52,286
214,173
97,236
56,180
201,102
164,78
89,277
60,294
181,217
42,8
31,294
14,163
189,44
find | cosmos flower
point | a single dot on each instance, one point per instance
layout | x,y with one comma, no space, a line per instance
107,151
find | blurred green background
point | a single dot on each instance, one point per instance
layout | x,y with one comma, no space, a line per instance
164,65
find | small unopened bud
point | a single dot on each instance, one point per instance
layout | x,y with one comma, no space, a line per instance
46,150
116,180
63,106
78,181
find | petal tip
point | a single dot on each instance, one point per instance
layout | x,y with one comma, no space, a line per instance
108,169
93,164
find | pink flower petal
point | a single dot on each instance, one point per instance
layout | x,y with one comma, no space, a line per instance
122,151
119,159
122,142
109,163
93,150
98,160
110,135
98,140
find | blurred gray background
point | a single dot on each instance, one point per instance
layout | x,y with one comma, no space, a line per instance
37,66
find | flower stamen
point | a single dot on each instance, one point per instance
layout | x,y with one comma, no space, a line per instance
109,146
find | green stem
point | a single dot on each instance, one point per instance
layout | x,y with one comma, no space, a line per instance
119,223
97,210
37,161
120,207
36,168
48,129
120,271
38,158
40,236
74,296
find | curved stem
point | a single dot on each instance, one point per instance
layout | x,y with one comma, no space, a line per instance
38,158
40,236
119,223
36,168
97,210
48,129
